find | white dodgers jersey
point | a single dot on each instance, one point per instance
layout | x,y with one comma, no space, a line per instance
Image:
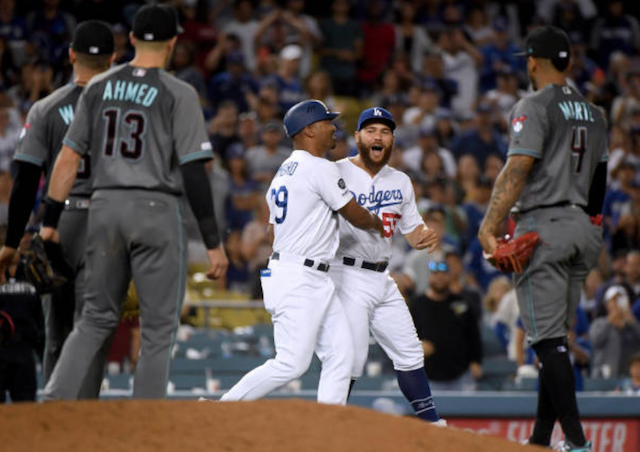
389,194
302,198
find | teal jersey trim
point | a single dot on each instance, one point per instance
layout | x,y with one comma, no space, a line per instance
196,156
20,157
72,145
529,152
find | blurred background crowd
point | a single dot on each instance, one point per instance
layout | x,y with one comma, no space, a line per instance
446,71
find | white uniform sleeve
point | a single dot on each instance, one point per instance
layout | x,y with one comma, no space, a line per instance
330,185
272,207
411,218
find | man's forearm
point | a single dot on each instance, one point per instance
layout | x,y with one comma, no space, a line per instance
506,191
64,174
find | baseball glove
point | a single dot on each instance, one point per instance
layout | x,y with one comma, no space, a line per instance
45,266
512,255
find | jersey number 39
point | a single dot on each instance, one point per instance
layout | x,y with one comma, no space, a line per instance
281,197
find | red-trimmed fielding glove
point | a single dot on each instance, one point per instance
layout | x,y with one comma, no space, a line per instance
512,255
597,220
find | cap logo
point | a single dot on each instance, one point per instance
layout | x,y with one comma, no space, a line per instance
94,50
377,112
563,54
148,36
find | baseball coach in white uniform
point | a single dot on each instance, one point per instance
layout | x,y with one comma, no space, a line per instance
304,198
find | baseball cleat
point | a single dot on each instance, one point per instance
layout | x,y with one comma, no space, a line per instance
440,423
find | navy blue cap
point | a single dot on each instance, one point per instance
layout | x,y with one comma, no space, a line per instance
235,150
235,57
306,113
377,114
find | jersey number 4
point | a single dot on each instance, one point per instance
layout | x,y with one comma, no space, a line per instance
131,145
579,145
281,197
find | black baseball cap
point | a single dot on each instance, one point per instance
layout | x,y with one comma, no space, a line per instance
547,42
155,23
93,37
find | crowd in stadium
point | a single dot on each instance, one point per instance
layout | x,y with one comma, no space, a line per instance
445,69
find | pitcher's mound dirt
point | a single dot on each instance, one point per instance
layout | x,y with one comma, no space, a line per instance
264,426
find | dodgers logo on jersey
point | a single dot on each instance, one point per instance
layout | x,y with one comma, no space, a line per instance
341,184
518,123
379,199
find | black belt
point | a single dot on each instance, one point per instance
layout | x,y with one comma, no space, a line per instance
548,206
307,263
77,203
375,266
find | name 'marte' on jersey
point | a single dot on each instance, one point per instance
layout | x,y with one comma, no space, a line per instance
140,124
41,137
389,195
303,198
567,137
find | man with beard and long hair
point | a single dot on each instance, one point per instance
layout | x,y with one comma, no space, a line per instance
369,294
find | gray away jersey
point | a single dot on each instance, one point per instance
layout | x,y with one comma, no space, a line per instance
41,138
140,125
568,137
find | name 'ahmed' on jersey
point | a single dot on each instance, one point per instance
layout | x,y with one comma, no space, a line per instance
129,91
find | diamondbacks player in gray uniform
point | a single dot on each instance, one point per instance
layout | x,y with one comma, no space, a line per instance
39,144
144,128
555,179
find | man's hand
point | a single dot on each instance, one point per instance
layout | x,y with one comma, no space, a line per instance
476,370
428,348
219,263
427,238
6,259
488,241
50,235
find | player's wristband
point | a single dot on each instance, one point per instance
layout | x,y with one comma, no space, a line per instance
52,211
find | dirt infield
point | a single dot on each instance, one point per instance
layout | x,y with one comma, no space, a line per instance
187,426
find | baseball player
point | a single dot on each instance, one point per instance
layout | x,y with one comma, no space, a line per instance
555,178
148,140
303,199
48,120
368,293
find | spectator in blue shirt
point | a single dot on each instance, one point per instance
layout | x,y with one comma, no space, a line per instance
616,197
234,84
286,80
482,140
498,54
614,31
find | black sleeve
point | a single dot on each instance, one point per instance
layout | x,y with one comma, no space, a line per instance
23,196
598,190
198,190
